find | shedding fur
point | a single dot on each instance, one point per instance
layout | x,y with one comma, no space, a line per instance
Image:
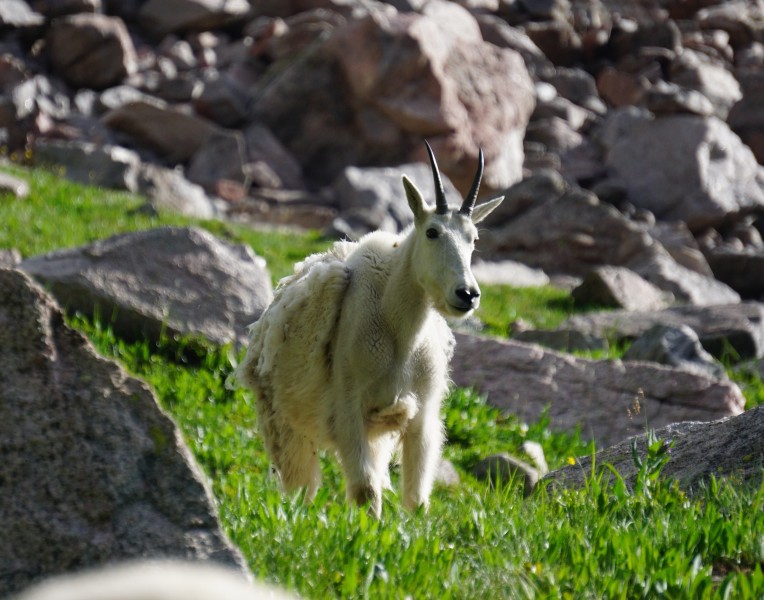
352,355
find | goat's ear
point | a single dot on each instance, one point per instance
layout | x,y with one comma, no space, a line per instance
414,197
481,211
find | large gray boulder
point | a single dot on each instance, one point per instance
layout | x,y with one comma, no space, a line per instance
678,346
620,287
162,17
92,471
91,50
151,123
599,396
684,167
732,447
721,328
367,91
433,75
174,280
92,164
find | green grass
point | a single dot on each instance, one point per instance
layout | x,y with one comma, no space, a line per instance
477,540
542,307
62,214
602,541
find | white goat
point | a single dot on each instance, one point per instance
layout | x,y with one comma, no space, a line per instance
352,355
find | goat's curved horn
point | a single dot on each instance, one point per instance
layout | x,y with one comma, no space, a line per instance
441,205
469,201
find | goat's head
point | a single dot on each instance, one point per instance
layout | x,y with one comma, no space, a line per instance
444,239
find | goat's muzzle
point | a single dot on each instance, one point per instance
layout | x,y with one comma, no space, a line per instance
468,298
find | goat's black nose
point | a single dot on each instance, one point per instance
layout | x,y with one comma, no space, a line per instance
468,295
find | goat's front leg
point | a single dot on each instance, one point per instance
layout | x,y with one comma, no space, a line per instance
364,483
422,443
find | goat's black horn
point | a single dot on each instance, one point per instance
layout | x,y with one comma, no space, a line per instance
469,201
441,204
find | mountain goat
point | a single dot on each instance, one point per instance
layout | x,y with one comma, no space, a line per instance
352,354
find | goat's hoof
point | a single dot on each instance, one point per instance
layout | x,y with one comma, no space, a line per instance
367,495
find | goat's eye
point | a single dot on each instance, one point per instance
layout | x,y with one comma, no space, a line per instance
431,233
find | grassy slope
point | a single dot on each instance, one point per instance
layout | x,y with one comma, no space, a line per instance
476,540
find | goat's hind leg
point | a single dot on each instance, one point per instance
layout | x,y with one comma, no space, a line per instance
294,456
298,465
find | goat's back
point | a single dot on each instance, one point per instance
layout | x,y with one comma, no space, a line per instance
288,361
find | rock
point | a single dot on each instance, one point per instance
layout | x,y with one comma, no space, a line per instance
89,163
578,86
169,190
596,395
91,50
540,187
222,99
566,233
379,84
746,117
563,340
284,208
18,14
508,272
677,347
432,78
721,328
122,95
619,287
556,134
741,20
373,197
498,32
686,168
687,285
160,17
154,580
36,99
58,8
180,281
9,258
221,157
695,70
567,230
173,135
264,147
731,448
678,240
99,473
447,475
619,88
15,186
665,98
304,103
504,468
736,269
557,40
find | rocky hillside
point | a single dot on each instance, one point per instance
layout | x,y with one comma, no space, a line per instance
640,121
626,137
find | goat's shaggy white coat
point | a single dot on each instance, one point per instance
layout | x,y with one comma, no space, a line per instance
352,355
161,579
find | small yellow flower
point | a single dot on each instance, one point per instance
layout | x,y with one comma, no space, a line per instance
571,460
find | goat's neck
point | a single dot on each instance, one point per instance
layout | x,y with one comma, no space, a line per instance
404,302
